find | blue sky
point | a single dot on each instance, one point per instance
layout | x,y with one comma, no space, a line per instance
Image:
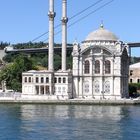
23,20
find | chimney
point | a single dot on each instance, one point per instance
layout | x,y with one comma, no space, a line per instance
51,15
64,34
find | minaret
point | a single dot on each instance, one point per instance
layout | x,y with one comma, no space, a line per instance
64,34
51,15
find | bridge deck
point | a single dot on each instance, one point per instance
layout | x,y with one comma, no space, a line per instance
69,48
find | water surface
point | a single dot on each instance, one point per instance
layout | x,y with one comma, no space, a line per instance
69,122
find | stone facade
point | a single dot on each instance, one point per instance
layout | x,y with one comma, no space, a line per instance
100,67
58,84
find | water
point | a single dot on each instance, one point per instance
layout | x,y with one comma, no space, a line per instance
63,122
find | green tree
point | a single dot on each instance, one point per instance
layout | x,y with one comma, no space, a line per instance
12,73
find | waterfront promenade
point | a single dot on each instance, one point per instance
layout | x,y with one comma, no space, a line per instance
18,98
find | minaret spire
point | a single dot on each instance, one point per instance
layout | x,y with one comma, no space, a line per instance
51,15
64,34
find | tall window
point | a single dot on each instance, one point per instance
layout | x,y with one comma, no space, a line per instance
30,79
37,89
97,87
64,80
47,90
55,80
42,79
25,80
107,66
86,87
87,67
47,79
107,87
59,80
97,66
37,80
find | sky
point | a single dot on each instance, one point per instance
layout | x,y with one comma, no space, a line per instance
23,20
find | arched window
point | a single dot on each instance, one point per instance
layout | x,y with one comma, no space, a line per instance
107,66
87,67
97,66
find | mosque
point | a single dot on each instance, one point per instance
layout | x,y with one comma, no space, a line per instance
100,67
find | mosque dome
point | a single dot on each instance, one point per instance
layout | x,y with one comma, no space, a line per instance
101,34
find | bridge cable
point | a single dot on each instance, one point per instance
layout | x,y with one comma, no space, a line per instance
77,14
94,11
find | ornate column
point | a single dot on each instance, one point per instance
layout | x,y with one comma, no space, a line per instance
102,74
81,76
64,34
91,70
112,73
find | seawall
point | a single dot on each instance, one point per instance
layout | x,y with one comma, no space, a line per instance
73,102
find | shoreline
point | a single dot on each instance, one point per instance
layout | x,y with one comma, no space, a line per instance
73,102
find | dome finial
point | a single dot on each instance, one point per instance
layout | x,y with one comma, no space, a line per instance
102,25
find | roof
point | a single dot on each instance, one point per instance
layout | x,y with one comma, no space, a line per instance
101,34
136,65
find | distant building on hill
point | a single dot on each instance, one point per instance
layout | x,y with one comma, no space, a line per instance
134,73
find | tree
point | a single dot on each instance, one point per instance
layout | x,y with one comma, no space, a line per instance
12,73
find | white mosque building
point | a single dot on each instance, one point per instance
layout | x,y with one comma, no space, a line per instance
100,67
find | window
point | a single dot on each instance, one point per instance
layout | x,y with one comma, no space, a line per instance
86,87
47,90
97,87
42,79
30,79
64,80
37,79
107,67
131,80
55,80
59,89
63,89
25,79
138,80
107,87
131,72
47,80
97,66
87,67
37,89
59,80
42,90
